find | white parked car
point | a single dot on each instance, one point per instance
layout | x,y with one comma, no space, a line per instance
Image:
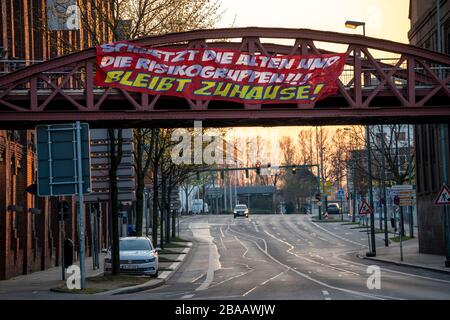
137,256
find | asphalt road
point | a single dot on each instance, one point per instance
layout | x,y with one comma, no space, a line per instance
286,257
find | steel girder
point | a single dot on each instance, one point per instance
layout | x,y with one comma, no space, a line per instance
412,86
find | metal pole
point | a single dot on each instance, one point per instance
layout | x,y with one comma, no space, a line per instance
61,236
91,222
230,193
438,26
144,202
224,186
235,183
80,204
410,208
96,235
354,192
367,229
383,188
442,130
320,191
372,217
401,236
203,197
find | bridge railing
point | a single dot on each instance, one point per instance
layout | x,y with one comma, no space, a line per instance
42,87
369,77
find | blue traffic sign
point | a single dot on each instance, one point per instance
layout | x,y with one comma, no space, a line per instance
57,159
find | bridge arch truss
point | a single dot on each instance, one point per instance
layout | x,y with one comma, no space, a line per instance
410,86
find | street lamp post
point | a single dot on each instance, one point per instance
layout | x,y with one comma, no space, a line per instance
353,25
235,182
383,187
372,252
443,143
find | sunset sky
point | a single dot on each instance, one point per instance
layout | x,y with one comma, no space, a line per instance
385,19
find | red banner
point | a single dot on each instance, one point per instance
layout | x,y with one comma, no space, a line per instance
217,74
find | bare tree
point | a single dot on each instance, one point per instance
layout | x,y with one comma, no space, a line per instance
392,141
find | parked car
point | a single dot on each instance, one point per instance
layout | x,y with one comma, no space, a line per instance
240,210
333,208
137,256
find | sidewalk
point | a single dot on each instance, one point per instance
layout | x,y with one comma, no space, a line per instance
411,256
39,281
38,284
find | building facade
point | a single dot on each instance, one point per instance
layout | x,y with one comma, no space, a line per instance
427,138
29,226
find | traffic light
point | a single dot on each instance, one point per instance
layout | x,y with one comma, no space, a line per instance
246,174
63,207
294,169
258,168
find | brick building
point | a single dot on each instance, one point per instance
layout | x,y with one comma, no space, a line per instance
427,140
29,228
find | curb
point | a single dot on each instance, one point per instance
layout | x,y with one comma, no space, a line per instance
404,264
151,284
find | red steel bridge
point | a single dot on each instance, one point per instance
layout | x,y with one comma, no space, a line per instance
410,86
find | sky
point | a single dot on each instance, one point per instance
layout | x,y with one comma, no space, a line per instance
385,19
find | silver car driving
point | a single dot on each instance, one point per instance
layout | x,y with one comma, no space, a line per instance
240,210
137,256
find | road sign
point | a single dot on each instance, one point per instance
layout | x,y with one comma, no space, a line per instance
340,193
405,193
57,159
64,169
443,197
326,188
365,208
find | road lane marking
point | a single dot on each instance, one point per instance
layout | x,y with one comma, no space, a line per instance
325,292
312,255
264,282
202,232
233,277
335,235
223,244
199,277
187,296
265,243
246,251
358,293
